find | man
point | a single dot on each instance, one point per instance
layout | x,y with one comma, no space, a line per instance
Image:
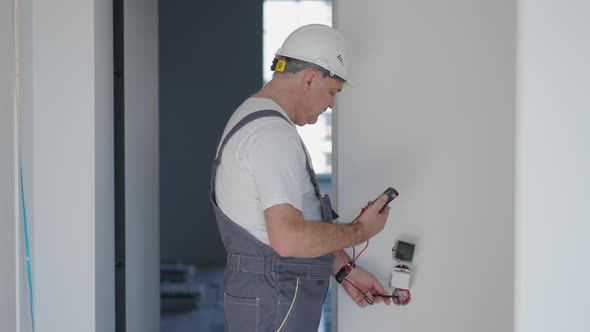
276,226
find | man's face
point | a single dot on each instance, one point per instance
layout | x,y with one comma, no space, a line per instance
322,95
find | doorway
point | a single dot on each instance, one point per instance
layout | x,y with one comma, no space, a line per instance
211,56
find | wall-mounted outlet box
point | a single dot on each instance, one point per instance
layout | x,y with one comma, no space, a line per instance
403,251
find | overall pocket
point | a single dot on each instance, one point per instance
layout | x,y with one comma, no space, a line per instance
242,314
300,304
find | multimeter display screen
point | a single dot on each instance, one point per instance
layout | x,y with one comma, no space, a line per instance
405,251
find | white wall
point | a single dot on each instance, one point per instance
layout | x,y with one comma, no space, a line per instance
7,172
26,151
432,114
67,148
553,167
67,154
142,243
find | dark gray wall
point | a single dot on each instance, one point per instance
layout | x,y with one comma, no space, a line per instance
140,63
210,61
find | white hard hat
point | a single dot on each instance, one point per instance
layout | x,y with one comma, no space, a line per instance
321,45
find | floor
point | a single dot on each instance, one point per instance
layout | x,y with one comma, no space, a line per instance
193,302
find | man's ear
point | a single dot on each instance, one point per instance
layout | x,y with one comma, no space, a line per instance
308,78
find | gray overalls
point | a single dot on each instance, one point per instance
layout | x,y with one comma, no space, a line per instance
263,291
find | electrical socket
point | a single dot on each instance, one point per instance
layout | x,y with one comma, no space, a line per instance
400,278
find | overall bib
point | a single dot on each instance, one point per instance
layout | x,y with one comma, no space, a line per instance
264,292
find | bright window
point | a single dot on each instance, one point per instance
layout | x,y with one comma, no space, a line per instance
281,17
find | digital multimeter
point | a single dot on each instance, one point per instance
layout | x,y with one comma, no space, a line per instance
391,194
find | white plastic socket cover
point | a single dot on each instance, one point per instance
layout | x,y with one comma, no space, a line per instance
400,278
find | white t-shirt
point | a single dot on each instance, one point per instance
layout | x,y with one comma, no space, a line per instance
262,165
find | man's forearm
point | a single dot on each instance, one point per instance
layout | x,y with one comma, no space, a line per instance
292,236
313,239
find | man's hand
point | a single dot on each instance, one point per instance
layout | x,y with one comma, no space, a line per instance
372,220
366,282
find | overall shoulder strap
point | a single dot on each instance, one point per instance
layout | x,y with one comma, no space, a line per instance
247,119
